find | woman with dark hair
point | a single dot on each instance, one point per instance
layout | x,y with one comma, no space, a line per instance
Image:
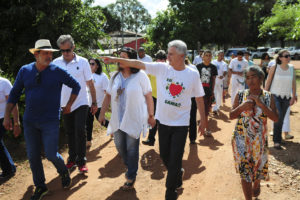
100,82
282,83
252,107
130,96
264,62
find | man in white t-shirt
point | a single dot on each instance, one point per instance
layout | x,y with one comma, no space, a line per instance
75,121
6,163
176,85
198,59
222,71
142,56
237,67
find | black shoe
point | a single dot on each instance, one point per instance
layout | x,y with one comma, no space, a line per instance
39,193
66,180
6,175
179,181
148,142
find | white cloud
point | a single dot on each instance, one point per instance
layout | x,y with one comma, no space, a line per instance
152,6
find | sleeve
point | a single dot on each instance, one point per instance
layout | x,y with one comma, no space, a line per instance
105,82
69,81
230,66
225,67
155,68
194,62
145,83
87,71
7,87
17,89
198,90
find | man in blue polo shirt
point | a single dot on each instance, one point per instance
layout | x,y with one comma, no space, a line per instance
42,82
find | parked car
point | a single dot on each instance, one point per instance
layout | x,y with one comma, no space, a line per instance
234,51
273,51
258,53
295,52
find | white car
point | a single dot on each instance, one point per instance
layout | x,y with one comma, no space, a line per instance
258,53
295,52
273,51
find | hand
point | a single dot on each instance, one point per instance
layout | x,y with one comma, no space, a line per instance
107,59
101,119
7,123
293,100
256,99
151,121
66,109
248,105
202,126
94,109
221,77
17,130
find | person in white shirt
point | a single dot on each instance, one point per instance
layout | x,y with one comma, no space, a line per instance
129,94
6,163
142,56
236,69
100,82
222,71
75,121
176,85
198,59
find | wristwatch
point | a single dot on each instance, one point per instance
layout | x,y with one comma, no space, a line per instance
94,104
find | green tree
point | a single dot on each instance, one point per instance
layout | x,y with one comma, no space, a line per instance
23,22
282,21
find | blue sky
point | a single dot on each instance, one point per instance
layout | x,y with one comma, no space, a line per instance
151,5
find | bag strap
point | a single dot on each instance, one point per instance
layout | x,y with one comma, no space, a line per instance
268,89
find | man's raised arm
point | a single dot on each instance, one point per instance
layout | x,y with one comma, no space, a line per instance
124,62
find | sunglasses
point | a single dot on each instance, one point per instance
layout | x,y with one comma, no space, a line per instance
92,64
65,50
38,78
286,56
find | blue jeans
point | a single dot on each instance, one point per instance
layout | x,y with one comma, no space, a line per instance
282,104
128,148
6,162
46,133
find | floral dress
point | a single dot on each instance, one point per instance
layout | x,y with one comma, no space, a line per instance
250,140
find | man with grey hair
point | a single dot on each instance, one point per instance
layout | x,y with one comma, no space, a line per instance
176,85
75,121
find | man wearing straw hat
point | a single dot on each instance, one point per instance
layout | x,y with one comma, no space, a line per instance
42,82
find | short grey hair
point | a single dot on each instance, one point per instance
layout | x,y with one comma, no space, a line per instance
179,45
65,38
257,70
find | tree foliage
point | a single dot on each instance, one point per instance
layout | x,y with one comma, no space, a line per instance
283,24
221,22
24,22
132,14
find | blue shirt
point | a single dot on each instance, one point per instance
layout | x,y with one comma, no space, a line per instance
42,91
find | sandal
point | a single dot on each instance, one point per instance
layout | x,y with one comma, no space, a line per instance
288,136
128,185
207,134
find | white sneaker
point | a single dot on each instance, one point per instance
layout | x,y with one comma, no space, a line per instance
271,133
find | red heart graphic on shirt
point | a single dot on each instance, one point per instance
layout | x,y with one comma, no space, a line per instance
175,89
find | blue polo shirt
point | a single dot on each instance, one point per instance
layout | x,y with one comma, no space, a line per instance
42,91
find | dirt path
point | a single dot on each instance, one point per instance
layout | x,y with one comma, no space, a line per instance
210,172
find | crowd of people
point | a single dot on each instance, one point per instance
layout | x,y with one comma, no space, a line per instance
162,96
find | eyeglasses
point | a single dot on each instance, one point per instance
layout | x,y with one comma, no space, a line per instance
38,78
92,64
286,56
65,50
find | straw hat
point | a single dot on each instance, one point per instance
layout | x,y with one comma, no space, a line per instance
42,44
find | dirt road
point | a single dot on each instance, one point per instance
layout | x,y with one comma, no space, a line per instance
210,173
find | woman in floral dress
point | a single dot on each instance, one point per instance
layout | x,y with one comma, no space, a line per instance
252,107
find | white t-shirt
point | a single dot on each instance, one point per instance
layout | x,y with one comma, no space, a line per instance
197,60
271,63
174,92
5,87
147,58
80,69
100,83
221,67
135,118
238,66
193,67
